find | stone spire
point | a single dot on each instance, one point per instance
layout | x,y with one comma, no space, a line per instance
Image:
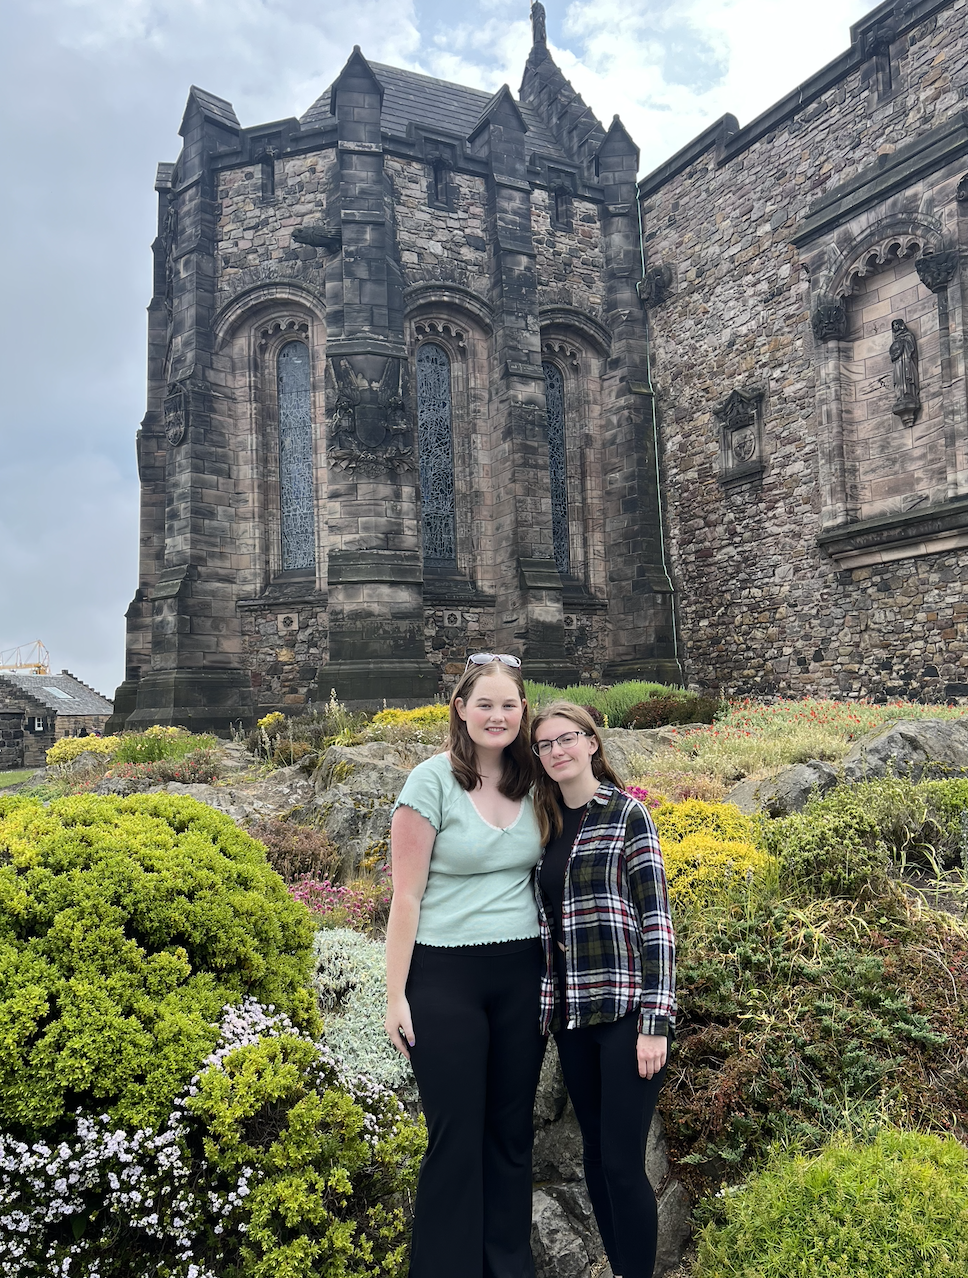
546,90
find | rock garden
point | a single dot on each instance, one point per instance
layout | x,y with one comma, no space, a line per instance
195,1079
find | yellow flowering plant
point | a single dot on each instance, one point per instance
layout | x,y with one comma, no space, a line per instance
69,748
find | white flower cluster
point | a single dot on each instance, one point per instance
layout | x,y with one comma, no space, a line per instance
49,1196
62,1204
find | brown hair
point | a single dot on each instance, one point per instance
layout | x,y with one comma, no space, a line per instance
518,772
546,791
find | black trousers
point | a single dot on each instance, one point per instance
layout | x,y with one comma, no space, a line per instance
476,1057
614,1108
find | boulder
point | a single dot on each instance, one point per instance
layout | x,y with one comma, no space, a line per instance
919,748
558,1250
627,749
785,791
355,790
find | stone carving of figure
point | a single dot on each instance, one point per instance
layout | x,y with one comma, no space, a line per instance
538,22
904,357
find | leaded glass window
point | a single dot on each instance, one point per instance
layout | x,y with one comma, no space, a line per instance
436,447
296,459
555,400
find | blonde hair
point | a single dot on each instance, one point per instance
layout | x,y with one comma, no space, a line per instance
546,792
517,774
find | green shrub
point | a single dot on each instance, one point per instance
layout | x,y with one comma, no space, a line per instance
273,1164
844,843
614,702
332,1168
126,925
798,1019
351,984
829,852
893,1208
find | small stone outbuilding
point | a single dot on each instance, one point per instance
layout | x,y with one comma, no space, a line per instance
38,709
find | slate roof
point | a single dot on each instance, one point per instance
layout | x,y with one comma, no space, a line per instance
61,693
438,104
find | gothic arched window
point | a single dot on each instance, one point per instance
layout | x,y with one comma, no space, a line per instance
296,458
436,447
555,400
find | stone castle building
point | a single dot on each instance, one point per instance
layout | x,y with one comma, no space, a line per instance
429,373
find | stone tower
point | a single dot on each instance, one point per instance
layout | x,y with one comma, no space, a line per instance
399,404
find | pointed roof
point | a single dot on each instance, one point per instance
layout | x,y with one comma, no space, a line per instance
502,104
412,98
618,141
355,62
210,107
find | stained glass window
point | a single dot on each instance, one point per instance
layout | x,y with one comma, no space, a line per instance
436,447
296,458
555,400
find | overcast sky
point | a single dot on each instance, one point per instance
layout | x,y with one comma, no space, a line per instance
93,93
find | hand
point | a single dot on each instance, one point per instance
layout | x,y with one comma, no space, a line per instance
650,1053
399,1026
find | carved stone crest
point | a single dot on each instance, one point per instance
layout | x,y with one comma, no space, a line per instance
371,428
176,417
743,443
655,286
829,321
936,270
741,448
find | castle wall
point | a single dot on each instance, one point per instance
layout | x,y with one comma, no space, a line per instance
789,247
257,217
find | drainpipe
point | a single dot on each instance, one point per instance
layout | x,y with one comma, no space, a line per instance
655,451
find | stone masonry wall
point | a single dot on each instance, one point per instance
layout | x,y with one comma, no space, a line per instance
438,243
255,230
570,262
283,649
762,608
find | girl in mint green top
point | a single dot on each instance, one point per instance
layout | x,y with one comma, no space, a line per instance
479,880
464,970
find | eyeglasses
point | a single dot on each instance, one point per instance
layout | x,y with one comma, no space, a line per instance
485,659
565,740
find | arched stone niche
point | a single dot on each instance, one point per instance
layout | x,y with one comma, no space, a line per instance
883,457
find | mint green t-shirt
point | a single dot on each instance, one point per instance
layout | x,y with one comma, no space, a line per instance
479,885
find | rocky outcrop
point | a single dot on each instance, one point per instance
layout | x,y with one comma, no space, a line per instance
285,792
355,790
785,791
918,748
564,1236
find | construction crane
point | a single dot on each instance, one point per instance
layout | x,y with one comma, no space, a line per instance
30,657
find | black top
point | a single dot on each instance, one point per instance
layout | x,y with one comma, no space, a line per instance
552,873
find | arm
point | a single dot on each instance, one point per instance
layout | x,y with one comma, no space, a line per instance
650,899
411,843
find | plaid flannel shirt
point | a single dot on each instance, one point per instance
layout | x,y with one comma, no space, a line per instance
619,944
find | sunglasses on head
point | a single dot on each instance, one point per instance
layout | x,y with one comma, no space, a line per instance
485,659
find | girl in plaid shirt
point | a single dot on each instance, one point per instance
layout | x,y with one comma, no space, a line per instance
608,992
